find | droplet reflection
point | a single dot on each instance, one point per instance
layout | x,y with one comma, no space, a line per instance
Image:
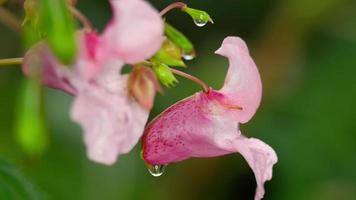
188,56
156,170
200,22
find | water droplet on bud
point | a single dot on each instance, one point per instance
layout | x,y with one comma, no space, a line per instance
200,22
156,170
188,56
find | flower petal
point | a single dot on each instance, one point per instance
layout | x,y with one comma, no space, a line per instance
112,121
39,61
260,158
242,83
136,31
200,126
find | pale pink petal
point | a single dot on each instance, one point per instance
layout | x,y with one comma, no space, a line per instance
260,158
242,83
39,61
112,121
136,31
200,126
91,54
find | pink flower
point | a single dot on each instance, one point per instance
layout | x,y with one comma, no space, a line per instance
113,121
207,124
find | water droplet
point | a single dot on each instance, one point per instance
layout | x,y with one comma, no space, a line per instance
200,22
188,56
156,170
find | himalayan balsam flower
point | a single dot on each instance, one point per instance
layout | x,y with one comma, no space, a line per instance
113,121
206,124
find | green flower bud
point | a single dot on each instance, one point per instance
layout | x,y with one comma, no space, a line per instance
164,74
30,25
179,39
169,54
200,17
30,124
58,24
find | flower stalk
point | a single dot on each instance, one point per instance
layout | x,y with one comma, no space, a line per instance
88,26
179,5
198,81
10,61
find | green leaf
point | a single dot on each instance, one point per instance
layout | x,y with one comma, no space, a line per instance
164,74
200,17
30,125
179,39
58,25
13,186
169,54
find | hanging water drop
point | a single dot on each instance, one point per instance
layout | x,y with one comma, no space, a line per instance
156,170
200,22
188,56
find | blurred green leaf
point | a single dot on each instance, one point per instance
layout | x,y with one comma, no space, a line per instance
164,74
30,125
200,17
179,39
169,54
13,186
58,24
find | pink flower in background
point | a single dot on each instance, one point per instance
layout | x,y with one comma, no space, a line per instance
207,124
113,121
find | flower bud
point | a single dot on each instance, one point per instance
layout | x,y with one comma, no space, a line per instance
169,54
164,74
57,23
179,39
142,85
200,17
30,123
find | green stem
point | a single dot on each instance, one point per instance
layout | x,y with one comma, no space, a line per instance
10,61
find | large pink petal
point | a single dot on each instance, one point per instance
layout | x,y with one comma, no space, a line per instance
201,126
136,31
242,83
112,121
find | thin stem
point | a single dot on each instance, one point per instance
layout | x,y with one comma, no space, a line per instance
8,19
88,26
192,78
11,61
179,5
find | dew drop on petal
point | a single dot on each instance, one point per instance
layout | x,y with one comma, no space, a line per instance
200,22
156,170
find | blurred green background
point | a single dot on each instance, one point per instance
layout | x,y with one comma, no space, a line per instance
306,53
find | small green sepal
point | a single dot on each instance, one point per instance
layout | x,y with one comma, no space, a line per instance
164,74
